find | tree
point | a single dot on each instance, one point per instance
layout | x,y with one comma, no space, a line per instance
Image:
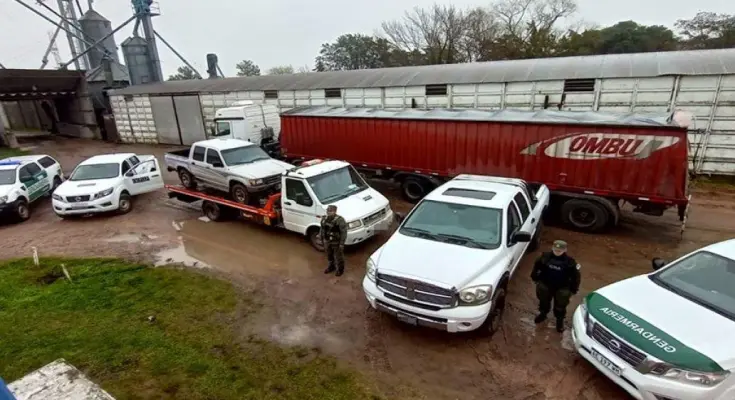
281,70
357,51
303,69
184,73
707,30
247,68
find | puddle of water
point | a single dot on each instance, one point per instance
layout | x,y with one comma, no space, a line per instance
178,255
131,238
304,335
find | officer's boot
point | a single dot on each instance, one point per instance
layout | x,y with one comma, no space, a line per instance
559,324
340,271
330,269
540,318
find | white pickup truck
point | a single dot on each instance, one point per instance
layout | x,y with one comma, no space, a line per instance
669,334
106,183
448,264
234,166
306,192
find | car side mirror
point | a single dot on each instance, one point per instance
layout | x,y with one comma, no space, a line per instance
520,237
130,173
399,216
657,263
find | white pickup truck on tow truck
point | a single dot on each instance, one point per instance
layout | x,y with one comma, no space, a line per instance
305,192
448,264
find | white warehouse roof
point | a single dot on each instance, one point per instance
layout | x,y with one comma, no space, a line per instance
694,62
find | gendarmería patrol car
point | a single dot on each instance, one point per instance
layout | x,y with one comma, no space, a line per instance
668,335
25,179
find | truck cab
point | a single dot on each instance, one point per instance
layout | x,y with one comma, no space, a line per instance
246,120
310,188
448,264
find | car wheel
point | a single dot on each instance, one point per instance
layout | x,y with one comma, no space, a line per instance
187,179
22,210
413,189
125,204
239,193
494,319
57,182
315,239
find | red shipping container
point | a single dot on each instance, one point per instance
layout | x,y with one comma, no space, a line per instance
617,156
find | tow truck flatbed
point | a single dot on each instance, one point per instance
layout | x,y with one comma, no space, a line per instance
219,208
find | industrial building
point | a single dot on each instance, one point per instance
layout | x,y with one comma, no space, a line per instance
701,82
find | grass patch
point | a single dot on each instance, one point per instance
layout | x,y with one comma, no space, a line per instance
6,152
99,323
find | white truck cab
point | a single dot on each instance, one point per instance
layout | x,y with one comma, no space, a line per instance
669,334
448,264
107,183
25,179
310,188
247,120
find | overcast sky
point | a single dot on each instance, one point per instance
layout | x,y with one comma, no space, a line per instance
278,32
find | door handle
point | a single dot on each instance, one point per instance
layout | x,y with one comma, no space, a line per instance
155,176
288,203
192,162
533,220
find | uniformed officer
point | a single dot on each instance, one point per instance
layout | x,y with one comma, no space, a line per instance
557,278
334,234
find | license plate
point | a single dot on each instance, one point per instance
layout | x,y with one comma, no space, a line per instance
79,206
407,319
605,362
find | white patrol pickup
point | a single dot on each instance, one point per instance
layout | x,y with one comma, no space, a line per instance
448,264
25,179
669,334
107,183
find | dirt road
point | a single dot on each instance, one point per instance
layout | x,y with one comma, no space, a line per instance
304,308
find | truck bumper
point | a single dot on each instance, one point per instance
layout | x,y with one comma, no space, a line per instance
642,386
458,319
364,233
105,204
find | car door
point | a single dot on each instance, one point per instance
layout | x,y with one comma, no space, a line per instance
144,177
297,206
216,168
198,167
513,225
528,220
35,179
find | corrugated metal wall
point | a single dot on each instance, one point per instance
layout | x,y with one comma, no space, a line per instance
710,98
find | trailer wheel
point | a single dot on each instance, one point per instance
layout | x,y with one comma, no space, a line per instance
414,189
584,215
187,179
213,211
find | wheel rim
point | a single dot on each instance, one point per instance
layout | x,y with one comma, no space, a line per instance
211,212
496,317
414,190
316,239
582,217
124,205
23,211
185,179
240,195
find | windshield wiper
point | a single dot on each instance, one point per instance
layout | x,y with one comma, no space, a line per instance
421,232
463,239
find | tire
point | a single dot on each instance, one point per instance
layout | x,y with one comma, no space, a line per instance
494,319
315,239
125,204
239,193
187,179
22,211
57,182
584,215
414,189
215,212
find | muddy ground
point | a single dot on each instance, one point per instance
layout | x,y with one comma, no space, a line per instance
303,307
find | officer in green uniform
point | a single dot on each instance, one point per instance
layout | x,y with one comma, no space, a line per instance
334,234
557,278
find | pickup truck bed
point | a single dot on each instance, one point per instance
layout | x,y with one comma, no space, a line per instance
176,158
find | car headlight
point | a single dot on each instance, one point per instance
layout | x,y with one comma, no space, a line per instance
693,377
475,295
103,193
3,199
57,197
370,269
254,182
354,224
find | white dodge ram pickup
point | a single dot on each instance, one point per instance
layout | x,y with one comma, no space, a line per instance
234,166
448,264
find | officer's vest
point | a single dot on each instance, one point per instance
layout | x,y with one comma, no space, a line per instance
331,229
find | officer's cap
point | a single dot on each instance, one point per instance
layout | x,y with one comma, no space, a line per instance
559,245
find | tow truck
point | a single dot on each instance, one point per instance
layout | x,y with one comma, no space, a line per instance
306,191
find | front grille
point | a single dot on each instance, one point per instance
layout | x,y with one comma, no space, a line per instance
415,291
272,179
373,218
621,349
75,199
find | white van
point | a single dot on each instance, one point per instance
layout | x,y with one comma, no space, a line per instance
247,120
669,334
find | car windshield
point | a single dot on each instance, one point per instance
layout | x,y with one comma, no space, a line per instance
705,278
222,128
244,155
95,171
460,224
7,176
336,185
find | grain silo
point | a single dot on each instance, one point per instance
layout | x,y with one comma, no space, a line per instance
137,58
95,27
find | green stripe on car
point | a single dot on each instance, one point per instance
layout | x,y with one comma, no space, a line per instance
647,337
